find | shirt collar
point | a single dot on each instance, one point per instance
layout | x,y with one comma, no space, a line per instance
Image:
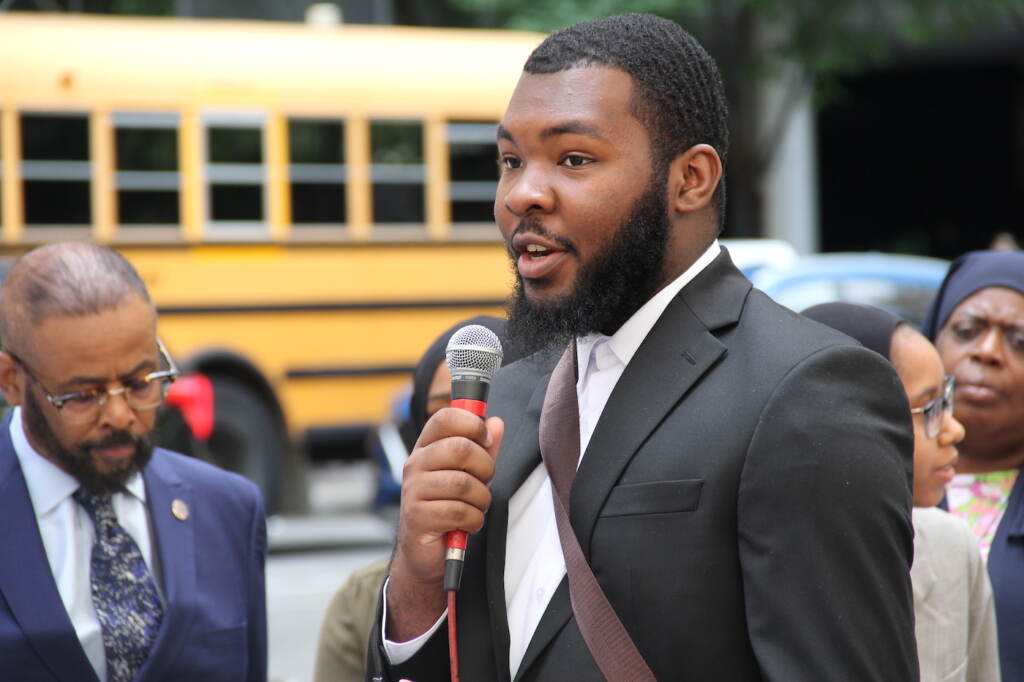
625,342
49,485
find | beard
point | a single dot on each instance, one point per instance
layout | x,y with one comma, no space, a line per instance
607,291
78,462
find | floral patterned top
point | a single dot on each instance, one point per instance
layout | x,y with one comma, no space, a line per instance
980,500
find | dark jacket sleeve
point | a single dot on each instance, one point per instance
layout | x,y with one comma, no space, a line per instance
430,664
257,617
825,533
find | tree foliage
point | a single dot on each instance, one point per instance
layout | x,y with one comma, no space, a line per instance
826,37
792,43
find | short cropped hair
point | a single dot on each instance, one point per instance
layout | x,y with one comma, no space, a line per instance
680,98
65,279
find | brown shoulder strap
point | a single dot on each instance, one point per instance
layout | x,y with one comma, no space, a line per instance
609,643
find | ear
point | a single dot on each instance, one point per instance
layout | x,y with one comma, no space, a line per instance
11,379
693,177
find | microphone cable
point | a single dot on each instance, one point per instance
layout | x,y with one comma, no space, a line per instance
453,643
455,557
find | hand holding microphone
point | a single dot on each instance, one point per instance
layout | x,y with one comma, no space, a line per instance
445,487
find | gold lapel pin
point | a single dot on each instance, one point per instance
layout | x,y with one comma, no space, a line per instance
179,509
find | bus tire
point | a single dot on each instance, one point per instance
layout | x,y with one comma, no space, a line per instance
246,437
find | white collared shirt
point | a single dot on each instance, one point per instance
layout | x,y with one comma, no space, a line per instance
67,533
534,563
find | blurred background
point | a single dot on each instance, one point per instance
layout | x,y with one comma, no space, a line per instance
306,189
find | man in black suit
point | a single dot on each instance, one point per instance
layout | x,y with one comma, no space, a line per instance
743,495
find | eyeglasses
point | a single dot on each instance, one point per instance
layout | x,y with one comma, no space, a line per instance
935,410
143,393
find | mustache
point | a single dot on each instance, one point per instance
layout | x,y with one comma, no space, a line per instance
113,440
533,226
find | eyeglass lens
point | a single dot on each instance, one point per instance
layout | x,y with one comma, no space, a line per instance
936,410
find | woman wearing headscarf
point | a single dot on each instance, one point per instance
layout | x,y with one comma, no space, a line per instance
341,652
977,323
955,624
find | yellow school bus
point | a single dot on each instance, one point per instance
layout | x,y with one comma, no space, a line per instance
308,205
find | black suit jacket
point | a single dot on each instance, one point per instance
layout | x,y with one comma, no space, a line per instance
744,503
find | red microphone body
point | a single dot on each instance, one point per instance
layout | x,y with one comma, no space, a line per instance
473,356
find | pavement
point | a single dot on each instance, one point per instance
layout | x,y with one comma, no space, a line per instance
310,557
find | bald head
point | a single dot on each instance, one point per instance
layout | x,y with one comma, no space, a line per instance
71,279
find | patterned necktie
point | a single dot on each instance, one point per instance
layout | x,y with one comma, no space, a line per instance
123,591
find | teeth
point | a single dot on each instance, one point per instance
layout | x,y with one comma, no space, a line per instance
536,251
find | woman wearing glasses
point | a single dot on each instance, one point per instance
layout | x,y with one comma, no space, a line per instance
953,605
977,323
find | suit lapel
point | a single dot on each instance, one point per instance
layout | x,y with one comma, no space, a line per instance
555,617
515,463
26,580
175,543
677,352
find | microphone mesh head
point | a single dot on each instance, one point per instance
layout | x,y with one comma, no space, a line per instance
475,350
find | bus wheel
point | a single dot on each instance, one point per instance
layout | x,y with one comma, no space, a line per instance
246,438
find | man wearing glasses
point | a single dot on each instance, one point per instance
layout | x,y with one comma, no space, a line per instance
121,561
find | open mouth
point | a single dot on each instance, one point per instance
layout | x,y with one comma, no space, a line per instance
536,251
537,257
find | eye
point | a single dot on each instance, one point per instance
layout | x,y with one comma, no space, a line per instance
1015,337
576,160
509,162
966,330
83,398
137,385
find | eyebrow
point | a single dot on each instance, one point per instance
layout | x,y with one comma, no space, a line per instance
566,128
92,381
982,318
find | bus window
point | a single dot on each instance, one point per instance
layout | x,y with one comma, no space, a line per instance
397,173
317,171
236,173
474,171
148,184
55,169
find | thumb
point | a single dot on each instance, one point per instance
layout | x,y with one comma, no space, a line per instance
495,431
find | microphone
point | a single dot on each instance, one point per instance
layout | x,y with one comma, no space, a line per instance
473,356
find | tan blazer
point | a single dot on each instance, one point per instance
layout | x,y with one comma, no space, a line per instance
956,622
341,653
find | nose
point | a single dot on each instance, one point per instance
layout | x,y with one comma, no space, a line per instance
116,412
526,190
952,430
988,349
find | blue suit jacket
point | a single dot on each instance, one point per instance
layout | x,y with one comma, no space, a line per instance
214,625
1006,569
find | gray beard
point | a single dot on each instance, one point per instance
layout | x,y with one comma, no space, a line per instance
78,462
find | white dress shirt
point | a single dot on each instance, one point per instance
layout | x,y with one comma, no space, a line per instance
534,563
67,533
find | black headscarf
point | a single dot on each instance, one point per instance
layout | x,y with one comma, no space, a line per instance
434,356
969,274
872,326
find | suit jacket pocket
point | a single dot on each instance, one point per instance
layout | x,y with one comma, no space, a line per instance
657,497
